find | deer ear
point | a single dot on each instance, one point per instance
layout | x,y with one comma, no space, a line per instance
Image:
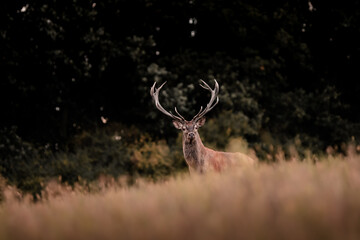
201,122
177,124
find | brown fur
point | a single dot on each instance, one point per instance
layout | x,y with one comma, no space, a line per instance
201,159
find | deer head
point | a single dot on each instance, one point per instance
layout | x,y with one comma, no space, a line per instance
189,128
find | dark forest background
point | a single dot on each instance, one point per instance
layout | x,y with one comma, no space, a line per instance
75,79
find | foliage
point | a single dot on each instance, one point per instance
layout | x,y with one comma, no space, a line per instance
217,132
20,162
287,71
70,63
112,151
118,150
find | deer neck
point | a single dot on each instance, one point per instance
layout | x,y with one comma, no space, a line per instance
193,151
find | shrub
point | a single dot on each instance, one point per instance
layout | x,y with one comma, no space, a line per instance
21,163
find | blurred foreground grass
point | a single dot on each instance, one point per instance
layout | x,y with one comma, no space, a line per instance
283,200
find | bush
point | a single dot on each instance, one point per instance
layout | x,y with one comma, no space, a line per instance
21,163
114,150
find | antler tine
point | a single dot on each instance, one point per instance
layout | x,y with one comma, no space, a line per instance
211,104
201,108
155,95
206,86
179,114
154,91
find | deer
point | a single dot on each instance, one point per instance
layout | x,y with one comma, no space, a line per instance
199,158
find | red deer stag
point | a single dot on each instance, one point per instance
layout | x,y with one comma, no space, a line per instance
199,158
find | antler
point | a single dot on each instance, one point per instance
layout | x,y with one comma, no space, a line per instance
155,95
211,104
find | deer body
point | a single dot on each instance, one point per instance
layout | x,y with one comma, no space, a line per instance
199,158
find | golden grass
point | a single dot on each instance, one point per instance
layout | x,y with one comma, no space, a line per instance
287,200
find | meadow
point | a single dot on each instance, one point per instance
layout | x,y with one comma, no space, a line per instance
315,198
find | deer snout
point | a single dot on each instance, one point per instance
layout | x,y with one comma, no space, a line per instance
191,135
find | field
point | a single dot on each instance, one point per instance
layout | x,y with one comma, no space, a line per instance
283,200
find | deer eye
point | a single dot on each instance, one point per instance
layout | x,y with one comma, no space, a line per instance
183,128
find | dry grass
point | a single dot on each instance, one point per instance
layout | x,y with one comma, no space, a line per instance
286,200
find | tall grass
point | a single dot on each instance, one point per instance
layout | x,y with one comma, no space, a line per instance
284,200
